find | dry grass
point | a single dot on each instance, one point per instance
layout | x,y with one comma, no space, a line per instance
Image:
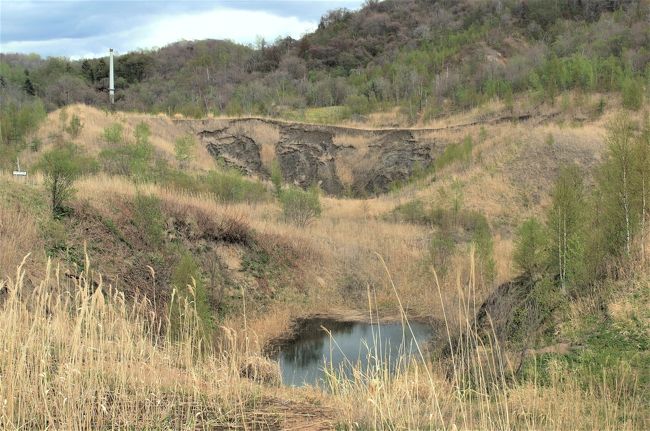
75,355
18,236
164,132
477,389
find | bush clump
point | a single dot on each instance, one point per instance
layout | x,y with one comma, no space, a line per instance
230,186
61,166
114,134
530,247
300,207
149,219
126,158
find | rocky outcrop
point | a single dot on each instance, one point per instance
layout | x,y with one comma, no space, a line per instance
338,159
396,154
236,151
308,156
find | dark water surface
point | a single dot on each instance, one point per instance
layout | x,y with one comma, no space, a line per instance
304,359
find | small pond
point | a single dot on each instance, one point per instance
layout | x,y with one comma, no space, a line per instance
305,359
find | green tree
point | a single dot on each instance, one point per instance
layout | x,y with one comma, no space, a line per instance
87,71
566,227
142,133
184,148
61,166
642,172
75,126
530,247
114,134
101,70
148,217
19,119
632,92
28,87
618,182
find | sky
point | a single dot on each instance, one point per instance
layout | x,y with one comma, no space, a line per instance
88,28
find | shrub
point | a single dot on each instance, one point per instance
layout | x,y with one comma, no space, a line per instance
148,218
178,180
17,120
184,148
61,166
358,105
276,177
35,145
231,186
456,152
632,92
190,290
124,158
75,126
441,250
127,159
482,239
530,247
300,207
114,134
141,134
412,212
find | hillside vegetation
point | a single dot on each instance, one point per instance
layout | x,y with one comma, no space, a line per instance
425,56
164,222
480,167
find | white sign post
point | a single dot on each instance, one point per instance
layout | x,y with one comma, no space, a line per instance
18,172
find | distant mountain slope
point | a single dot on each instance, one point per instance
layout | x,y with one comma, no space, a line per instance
425,56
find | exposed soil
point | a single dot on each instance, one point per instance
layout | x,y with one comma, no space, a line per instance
339,159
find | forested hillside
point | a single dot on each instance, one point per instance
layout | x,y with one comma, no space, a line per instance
426,56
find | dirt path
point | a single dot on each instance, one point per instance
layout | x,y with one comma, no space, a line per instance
280,414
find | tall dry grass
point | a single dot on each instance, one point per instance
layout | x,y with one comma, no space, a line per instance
75,355
476,387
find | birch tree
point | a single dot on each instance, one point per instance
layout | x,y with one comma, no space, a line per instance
642,173
618,182
565,224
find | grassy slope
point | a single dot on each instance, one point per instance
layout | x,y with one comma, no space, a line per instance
511,170
331,263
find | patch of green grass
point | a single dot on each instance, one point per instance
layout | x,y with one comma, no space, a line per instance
113,229
321,115
256,262
149,219
225,184
411,212
187,279
460,152
25,196
606,351
229,185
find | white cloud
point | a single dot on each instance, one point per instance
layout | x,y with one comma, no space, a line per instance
159,30
238,25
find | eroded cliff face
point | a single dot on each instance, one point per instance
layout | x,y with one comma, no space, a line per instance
339,159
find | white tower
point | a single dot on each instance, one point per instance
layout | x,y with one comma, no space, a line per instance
111,78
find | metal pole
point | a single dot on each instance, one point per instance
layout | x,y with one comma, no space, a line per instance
111,79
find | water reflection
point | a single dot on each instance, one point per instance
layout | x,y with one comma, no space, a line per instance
352,344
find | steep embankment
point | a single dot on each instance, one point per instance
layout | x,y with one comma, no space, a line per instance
341,160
